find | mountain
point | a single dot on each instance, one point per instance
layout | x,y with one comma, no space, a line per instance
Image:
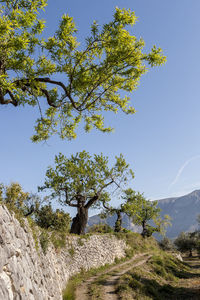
183,211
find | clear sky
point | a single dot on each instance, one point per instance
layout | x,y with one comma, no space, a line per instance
161,142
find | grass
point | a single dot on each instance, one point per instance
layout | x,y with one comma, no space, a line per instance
163,277
69,292
136,245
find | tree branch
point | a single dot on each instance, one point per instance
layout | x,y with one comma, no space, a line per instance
92,201
8,101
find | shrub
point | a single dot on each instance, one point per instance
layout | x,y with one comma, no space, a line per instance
55,220
166,244
100,228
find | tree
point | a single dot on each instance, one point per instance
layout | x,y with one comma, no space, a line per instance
142,211
166,244
78,82
19,201
186,242
109,211
84,182
13,196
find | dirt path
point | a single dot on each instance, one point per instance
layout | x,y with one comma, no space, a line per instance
109,285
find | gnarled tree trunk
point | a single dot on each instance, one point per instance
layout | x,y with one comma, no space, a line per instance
118,223
144,229
79,222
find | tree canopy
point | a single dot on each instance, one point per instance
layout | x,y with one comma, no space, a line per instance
83,181
69,82
143,211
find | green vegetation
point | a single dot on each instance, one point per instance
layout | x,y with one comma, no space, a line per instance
188,242
84,182
55,220
166,244
141,211
100,228
58,238
46,225
137,245
44,241
69,292
109,62
162,277
71,251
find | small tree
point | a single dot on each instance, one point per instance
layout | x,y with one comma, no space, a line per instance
84,182
78,83
17,200
142,211
166,244
110,211
13,196
185,242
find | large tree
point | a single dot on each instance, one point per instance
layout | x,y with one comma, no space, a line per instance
69,82
84,182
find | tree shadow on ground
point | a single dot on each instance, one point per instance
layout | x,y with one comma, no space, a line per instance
156,291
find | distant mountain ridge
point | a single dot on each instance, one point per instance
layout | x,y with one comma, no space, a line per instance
183,211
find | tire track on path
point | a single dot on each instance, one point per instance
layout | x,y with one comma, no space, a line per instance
109,287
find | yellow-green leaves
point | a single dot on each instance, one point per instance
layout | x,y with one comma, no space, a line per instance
124,16
82,177
79,82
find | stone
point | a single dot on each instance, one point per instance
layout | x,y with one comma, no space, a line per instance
27,274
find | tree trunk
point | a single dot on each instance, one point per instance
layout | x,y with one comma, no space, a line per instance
118,223
80,221
144,229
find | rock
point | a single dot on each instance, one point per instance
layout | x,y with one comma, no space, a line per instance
27,274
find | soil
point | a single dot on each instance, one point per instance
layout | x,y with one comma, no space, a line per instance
82,291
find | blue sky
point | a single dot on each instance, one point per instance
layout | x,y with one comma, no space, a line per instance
161,142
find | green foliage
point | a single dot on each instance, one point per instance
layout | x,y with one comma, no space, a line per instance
166,244
71,251
84,181
186,242
35,232
13,197
100,228
157,279
44,241
21,203
110,60
141,211
55,220
58,239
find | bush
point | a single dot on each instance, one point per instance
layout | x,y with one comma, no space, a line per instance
166,244
100,228
185,242
55,220
44,241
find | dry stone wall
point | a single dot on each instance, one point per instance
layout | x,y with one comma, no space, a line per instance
27,274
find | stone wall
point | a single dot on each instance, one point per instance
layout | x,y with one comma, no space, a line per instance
27,274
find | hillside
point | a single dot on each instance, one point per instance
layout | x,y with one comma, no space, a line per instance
183,211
